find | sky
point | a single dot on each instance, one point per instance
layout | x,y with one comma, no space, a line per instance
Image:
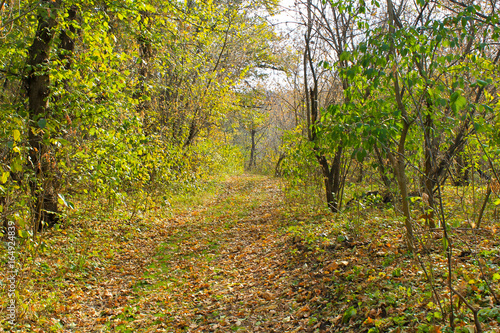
287,16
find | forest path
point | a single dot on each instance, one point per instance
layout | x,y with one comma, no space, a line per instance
242,260
222,267
225,265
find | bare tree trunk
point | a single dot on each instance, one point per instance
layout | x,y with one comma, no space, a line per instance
277,169
193,131
337,180
462,170
252,150
332,179
430,182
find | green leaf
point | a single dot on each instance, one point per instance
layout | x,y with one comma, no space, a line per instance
351,73
445,244
396,272
344,56
360,155
486,108
482,83
42,123
16,165
348,314
461,102
479,128
457,101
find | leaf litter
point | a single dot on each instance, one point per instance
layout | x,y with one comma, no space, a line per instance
247,260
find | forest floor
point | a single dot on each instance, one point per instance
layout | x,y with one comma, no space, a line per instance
244,259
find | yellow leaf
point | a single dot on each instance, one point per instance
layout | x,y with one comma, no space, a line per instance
16,134
5,176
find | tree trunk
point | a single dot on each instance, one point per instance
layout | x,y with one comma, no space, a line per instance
146,55
193,130
462,168
399,170
336,175
430,181
399,162
361,173
37,85
381,168
328,180
252,150
332,179
66,43
277,169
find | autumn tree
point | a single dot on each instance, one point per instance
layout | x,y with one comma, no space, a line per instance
330,32
120,97
38,88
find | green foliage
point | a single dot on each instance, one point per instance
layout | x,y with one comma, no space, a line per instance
137,105
486,314
300,161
